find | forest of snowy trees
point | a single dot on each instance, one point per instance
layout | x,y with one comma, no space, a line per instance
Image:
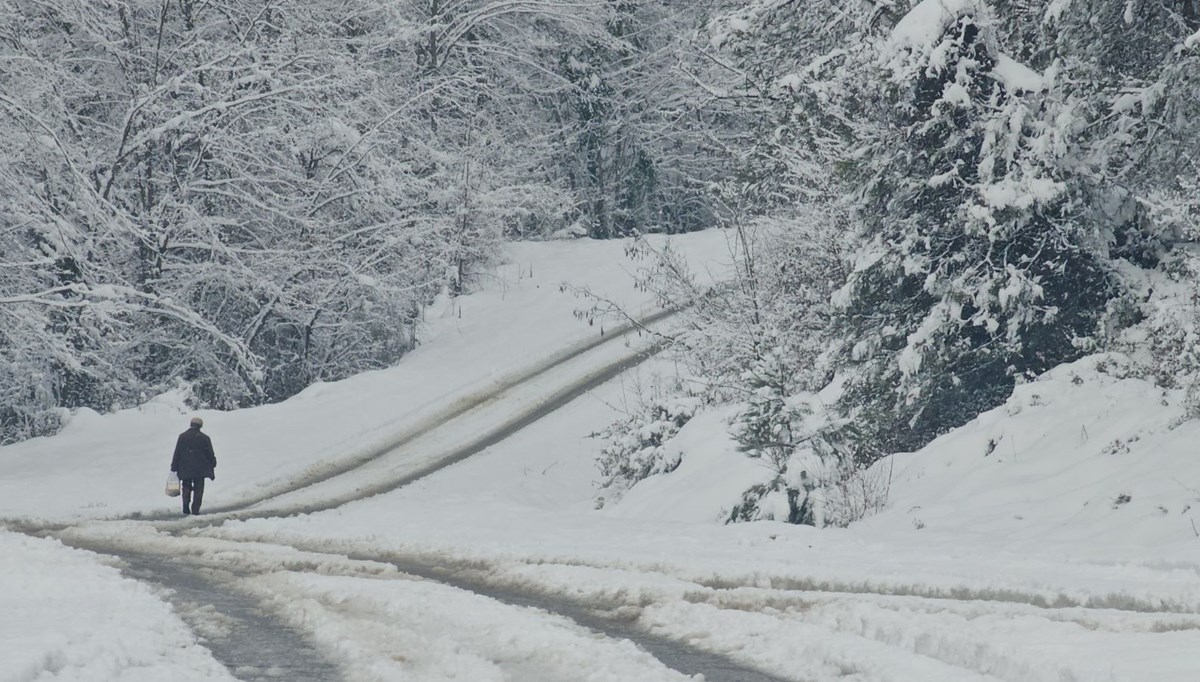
931,201
241,197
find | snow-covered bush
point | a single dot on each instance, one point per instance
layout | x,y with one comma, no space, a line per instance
816,495
1164,341
637,444
756,341
818,480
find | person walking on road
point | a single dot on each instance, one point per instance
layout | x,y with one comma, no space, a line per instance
194,461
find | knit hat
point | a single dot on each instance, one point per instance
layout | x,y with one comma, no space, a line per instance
196,421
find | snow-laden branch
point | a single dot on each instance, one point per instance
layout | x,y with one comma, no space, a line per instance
142,302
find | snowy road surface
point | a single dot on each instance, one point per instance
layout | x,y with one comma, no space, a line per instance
386,615
252,602
248,640
247,637
450,532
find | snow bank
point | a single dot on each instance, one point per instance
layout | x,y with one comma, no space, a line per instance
708,482
1081,458
1086,461
863,638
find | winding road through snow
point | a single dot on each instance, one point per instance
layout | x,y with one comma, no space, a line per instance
286,608
253,640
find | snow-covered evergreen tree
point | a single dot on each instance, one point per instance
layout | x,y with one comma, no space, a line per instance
978,266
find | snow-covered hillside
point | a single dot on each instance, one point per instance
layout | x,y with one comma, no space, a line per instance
1085,461
1081,462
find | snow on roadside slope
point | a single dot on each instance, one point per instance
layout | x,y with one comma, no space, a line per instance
1081,461
1086,461
68,617
709,480
114,464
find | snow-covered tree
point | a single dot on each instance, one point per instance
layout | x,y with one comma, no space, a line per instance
787,66
636,142
978,267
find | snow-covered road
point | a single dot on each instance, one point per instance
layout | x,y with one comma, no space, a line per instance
250,641
243,622
570,613
437,521
256,605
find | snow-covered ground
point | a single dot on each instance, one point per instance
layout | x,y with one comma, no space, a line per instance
115,464
1050,539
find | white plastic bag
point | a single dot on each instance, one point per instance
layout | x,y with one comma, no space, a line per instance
172,484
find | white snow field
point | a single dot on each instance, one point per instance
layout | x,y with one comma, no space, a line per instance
1051,539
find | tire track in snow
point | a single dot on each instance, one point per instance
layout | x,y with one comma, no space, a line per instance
871,638
959,593
1099,619
244,637
244,508
688,660
879,636
1044,598
875,635
479,443
258,642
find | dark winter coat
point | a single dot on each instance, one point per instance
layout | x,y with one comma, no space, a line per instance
194,456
